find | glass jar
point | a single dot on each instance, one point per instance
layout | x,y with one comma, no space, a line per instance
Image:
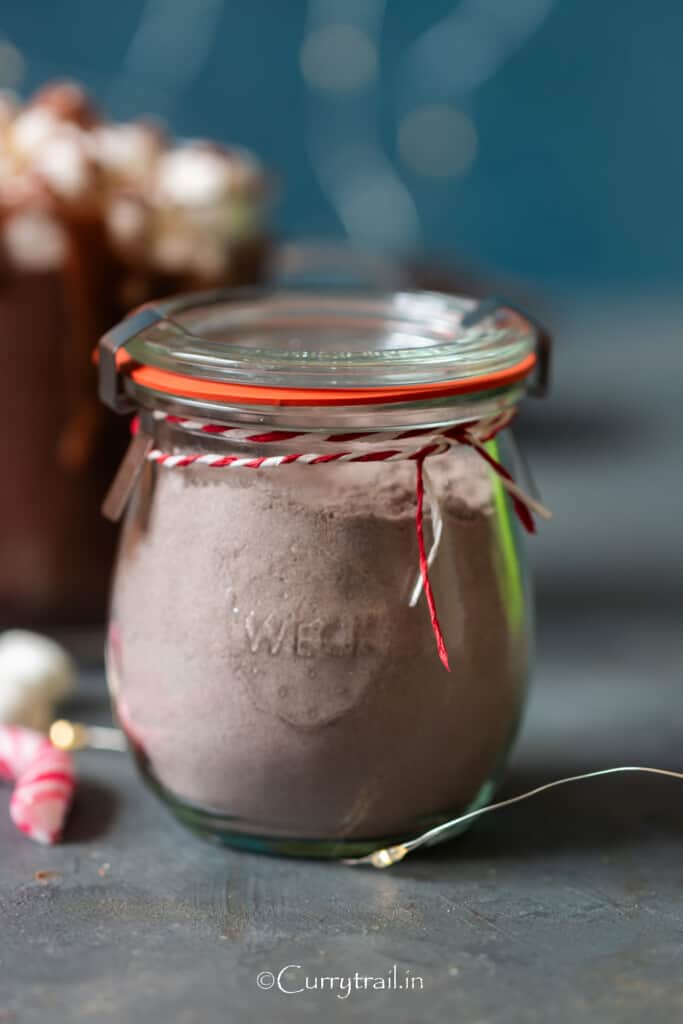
320,624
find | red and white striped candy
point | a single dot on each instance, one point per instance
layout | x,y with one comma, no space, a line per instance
44,781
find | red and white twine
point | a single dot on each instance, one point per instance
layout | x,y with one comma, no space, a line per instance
405,445
440,440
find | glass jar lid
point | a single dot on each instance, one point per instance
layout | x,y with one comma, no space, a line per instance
266,349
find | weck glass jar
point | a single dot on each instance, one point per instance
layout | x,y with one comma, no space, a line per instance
320,624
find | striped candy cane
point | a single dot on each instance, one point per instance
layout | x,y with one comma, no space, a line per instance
44,782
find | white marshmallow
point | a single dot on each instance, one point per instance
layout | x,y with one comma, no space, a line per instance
192,176
128,152
34,240
173,247
35,673
174,208
32,129
63,164
128,221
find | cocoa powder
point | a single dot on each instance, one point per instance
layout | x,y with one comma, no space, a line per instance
270,667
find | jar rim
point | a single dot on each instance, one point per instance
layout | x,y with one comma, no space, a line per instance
307,348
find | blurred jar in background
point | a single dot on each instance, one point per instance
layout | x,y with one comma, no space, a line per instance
95,218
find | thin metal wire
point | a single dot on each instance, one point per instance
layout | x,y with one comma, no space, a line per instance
387,856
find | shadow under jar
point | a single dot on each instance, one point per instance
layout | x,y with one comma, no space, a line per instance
271,653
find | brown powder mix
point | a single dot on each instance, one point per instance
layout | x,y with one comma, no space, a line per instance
270,664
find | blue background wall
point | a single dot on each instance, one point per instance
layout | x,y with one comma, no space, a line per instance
577,175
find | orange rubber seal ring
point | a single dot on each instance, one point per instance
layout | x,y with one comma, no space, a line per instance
247,394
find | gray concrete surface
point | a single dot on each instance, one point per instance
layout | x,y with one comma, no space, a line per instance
565,908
